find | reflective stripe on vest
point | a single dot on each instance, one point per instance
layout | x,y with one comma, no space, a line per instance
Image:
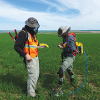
30,46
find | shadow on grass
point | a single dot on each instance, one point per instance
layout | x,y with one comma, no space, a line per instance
16,81
49,81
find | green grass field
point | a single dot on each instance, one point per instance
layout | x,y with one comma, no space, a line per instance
13,74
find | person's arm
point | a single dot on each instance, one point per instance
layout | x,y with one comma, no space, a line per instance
20,41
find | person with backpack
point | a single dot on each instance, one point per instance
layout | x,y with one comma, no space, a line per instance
69,50
27,46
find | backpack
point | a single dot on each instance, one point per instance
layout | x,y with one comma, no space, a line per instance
79,46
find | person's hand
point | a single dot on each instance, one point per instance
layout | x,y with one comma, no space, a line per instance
60,43
28,57
60,46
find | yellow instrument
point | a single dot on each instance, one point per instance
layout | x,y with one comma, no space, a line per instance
43,44
79,47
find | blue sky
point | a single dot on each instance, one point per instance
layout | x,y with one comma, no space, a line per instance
51,14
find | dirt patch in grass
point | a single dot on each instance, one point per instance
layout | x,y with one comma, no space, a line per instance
94,87
73,97
48,73
80,77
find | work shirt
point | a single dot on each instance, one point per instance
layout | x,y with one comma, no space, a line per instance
70,46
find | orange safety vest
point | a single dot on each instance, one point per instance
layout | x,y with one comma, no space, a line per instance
30,46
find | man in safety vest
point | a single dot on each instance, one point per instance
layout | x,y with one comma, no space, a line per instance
27,46
69,49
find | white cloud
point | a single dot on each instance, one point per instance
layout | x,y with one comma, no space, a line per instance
84,6
89,12
52,4
87,19
11,13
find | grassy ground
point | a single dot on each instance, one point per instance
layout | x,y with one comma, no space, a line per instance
13,74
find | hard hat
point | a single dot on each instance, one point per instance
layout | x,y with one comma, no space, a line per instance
63,30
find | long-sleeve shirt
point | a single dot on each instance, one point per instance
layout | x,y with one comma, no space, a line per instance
21,40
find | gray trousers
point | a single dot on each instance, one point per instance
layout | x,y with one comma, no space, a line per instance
67,65
33,74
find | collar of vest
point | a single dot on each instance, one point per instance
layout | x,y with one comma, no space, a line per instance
30,36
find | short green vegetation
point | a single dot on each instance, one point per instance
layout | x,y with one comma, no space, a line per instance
13,74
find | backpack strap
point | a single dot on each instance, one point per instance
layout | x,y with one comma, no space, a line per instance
26,38
23,31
